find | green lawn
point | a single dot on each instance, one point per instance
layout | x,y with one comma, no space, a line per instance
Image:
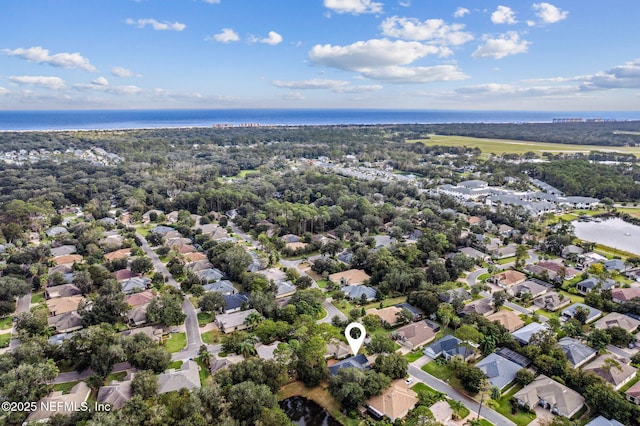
504,408
483,277
485,422
204,318
631,383
6,323
116,376
501,146
4,340
442,372
145,230
204,372
322,283
175,365
37,297
462,413
211,337
412,356
506,260
176,342
64,387
421,387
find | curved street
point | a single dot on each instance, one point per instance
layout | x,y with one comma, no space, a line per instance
194,340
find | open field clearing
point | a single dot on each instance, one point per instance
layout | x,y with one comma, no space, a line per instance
503,146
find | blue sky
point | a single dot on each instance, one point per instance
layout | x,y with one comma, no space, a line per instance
397,54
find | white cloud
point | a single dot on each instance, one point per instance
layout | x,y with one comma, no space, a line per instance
548,13
62,60
100,81
3,91
292,96
625,76
460,12
339,86
124,72
373,53
354,7
504,15
409,75
54,83
227,35
211,1
273,38
505,45
156,25
404,3
435,30
125,90
318,83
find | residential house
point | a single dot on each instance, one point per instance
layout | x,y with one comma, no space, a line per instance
504,252
139,299
137,315
187,377
587,286
524,334
417,313
415,334
442,412
615,319
459,294
509,278
394,402
266,352
118,254
217,364
513,356
500,371
356,292
359,361
225,287
199,265
577,352
63,250
56,231
551,395
508,319
551,301
210,274
633,393
593,313
185,249
350,277
481,306
337,349
235,302
67,260
533,286
571,250
615,265
388,316
65,322
234,321
134,284
124,274
194,257
291,238
603,421
505,230
553,270
448,347
617,375
475,254
116,393
587,259
621,295
285,289
61,305
60,403
64,290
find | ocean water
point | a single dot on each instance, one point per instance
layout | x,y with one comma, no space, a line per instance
143,119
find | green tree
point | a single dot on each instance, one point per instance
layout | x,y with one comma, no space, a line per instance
379,344
248,399
393,365
211,301
166,310
145,384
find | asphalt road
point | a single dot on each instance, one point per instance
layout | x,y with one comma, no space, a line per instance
493,416
194,340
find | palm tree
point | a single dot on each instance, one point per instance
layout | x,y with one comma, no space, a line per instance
246,348
456,406
253,319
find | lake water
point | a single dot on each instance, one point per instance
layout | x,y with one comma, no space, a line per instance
304,412
615,233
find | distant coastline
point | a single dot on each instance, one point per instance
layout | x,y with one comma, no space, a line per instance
157,119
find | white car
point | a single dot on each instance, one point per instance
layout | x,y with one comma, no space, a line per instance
409,380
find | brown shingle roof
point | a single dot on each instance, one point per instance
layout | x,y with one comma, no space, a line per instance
507,319
118,254
510,277
395,402
61,305
67,259
388,315
350,277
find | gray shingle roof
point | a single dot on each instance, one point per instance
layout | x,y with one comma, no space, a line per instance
500,371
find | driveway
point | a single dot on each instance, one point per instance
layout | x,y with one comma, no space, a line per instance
493,416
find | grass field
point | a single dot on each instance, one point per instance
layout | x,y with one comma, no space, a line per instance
6,323
520,418
412,356
502,146
4,340
631,211
64,387
211,337
442,372
176,342
204,318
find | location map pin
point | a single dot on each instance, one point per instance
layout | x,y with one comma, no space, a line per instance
355,344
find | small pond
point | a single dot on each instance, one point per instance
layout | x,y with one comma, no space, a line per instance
615,233
304,412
